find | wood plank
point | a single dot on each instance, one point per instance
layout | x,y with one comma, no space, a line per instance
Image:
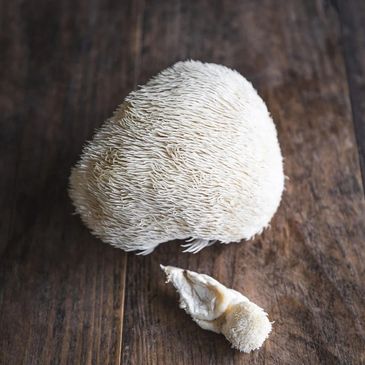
352,16
307,271
65,65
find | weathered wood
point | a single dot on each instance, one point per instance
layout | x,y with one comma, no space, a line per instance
65,65
352,16
308,270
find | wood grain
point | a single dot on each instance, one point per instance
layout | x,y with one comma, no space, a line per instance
352,17
64,68
66,298
308,270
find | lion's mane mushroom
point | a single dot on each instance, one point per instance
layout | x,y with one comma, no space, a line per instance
192,155
219,309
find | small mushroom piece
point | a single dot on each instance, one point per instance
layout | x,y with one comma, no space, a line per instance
219,309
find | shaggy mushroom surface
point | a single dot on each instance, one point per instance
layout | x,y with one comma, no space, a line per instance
193,155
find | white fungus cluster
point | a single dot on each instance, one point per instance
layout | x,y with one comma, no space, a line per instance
192,155
219,309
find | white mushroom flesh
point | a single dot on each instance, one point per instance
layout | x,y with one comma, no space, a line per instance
219,309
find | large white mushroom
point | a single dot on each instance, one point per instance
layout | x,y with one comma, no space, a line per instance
192,155
219,309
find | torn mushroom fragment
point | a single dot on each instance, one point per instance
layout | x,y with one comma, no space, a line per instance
219,309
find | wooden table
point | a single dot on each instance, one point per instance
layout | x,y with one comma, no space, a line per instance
67,298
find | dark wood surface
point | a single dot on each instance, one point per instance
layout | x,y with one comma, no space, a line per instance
352,16
67,298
